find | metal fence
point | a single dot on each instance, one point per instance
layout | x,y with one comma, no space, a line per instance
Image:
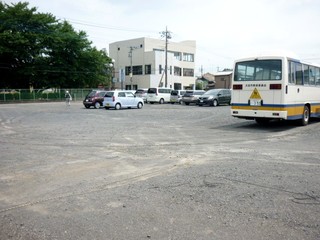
40,95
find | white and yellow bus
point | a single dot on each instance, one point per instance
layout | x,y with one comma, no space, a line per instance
275,87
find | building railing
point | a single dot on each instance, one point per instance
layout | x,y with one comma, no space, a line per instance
41,95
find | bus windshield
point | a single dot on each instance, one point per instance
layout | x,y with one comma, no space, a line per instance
257,70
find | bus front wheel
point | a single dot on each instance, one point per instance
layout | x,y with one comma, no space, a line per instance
305,116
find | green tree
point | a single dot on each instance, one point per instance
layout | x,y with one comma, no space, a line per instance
39,51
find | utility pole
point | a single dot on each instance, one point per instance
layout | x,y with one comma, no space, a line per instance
167,35
131,67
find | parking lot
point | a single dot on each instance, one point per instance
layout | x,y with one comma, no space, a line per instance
160,172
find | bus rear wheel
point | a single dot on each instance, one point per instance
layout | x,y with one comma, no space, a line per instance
305,116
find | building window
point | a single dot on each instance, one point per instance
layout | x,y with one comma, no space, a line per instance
177,71
177,55
128,70
170,70
160,69
188,57
147,69
134,87
188,72
137,70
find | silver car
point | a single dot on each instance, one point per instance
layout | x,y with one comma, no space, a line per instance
176,96
142,93
122,99
191,96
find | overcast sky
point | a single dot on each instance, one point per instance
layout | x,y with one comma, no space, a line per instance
224,30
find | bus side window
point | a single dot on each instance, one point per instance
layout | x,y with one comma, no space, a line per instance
317,77
299,74
306,77
312,76
291,71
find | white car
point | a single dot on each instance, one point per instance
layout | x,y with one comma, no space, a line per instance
158,95
121,99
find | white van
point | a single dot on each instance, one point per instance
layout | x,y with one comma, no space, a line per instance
158,95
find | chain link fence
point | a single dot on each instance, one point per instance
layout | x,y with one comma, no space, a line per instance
41,95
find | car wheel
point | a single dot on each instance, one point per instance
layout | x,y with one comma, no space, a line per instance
97,105
140,105
215,103
117,106
161,101
305,116
87,106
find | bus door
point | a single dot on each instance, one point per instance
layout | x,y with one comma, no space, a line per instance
294,89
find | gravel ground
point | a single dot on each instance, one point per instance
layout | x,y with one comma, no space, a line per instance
162,172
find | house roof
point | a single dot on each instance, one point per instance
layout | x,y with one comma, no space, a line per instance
224,73
208,77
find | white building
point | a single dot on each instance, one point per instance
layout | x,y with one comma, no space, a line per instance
147,58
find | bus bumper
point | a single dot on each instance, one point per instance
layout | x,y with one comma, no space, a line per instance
252,114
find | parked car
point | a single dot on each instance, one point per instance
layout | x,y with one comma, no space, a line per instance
122,99
215,97
191,96
159,95
142,93
176,96
94,98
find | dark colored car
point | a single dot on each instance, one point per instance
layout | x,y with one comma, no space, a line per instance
191,96
215,97
94,98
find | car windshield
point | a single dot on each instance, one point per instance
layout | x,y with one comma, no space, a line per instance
212,92
92,94
188,93
152,90
139,91
101,94
174,93
109,94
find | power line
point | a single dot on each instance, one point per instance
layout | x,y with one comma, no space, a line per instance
97,25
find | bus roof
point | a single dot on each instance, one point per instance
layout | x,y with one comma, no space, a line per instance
275,55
